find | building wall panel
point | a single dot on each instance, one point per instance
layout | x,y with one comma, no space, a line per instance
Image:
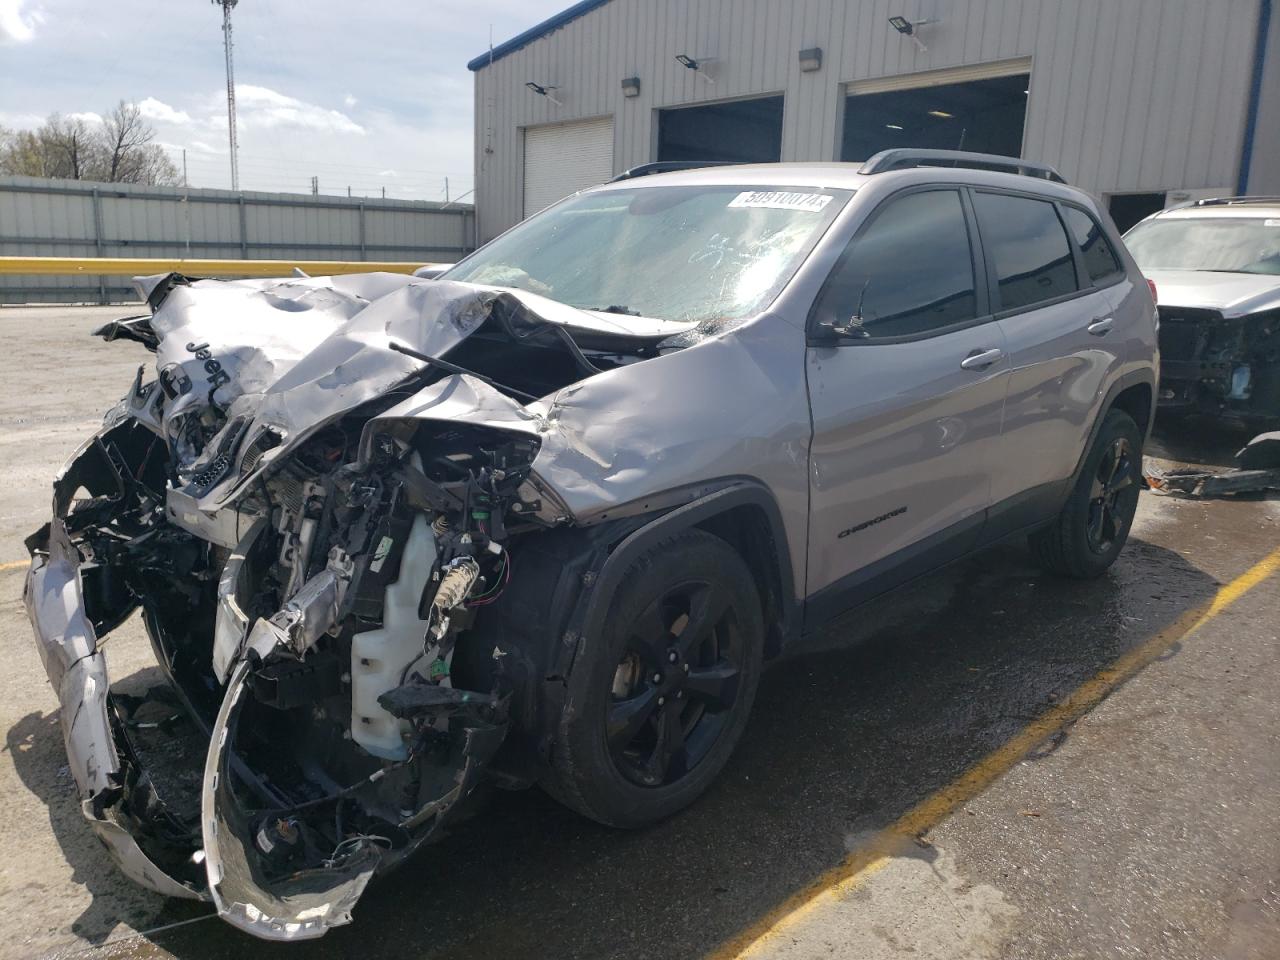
1126,95
57,218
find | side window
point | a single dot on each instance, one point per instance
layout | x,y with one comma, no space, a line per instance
1026,243
908,272
1099,256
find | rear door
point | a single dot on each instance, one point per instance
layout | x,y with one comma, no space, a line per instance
1059,327
907,404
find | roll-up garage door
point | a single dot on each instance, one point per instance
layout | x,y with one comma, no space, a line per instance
563,158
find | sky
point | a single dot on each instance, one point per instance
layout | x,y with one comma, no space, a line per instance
365,95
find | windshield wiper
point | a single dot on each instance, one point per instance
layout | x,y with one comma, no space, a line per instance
448,367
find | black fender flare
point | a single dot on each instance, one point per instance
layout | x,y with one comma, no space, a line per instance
579,576
738,493
1133,378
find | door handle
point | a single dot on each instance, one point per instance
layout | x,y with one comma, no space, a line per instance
1101,327
981,359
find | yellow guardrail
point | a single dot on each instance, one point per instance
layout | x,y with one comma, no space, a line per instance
143,266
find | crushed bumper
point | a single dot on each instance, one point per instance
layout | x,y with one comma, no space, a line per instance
215,859
77,671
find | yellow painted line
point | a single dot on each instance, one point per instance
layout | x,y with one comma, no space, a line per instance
15,565
145,266
837,882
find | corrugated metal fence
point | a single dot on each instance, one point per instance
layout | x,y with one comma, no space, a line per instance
73,218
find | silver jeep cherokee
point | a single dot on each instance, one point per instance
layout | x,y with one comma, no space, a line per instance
541,520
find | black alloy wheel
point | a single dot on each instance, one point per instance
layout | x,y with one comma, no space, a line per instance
675,684
1085,539
659,696
1117,472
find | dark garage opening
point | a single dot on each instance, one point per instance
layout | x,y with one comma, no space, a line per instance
1126,209
742,131
986,116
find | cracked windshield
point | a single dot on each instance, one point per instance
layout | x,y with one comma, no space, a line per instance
673,253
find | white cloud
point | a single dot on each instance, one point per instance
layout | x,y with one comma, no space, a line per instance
21,121
349,101
265,108
88,117
18,21
161,112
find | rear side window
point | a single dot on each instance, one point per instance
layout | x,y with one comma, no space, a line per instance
908,272
1026,243
1099,256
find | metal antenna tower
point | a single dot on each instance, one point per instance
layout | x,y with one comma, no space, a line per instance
226,6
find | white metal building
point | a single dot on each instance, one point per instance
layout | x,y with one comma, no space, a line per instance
1143,102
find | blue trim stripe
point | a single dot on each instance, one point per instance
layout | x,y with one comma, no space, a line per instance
534,33
1255,97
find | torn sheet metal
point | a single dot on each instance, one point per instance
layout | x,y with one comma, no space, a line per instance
78,672
299,906
1202,483
1257,470
309,520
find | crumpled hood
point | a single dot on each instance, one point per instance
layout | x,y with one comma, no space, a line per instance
1234,294
264,363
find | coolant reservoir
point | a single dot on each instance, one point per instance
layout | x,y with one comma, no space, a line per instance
379,657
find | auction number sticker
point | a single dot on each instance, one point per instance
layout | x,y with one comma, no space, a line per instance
782,200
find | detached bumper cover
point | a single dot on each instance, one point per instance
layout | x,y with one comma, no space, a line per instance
77,671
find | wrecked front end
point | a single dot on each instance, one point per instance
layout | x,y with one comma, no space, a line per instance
1221,366
1219,344
310,521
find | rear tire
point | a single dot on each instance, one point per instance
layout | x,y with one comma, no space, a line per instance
659,699
1087,536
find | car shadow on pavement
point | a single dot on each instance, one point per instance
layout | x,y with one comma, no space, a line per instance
880,711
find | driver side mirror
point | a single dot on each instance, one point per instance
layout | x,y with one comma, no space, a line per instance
851,327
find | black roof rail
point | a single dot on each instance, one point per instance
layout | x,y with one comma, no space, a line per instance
669,166
1228,201
905,157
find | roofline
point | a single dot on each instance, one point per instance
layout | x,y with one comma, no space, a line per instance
533,33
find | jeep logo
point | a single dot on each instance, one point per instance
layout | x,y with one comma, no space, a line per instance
217,376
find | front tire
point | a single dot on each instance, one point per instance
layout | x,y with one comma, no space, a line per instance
658,701
1087,536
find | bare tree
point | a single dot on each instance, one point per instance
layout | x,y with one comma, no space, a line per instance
61,148
120,149
71,146
129,156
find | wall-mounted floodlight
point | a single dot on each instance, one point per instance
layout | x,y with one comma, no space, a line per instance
685,60
811,59
542,91
910,28
631,86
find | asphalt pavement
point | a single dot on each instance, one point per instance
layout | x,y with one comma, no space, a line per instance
990,763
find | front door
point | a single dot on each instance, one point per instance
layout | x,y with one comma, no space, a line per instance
907,400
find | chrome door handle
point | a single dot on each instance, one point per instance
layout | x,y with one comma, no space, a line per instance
1100,328
981,359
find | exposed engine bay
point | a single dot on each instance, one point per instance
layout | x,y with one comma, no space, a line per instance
313,502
